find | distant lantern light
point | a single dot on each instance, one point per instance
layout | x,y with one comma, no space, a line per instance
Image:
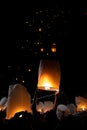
26,22
47,54
49,75
53,48
16,78
41,49
23,81
81,103
40,29
29,70
38,43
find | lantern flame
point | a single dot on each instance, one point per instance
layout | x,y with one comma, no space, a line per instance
20,116
81,103
83,108
46,83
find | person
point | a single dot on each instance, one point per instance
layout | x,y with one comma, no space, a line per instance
45,120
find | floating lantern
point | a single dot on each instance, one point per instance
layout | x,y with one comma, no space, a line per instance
18,100
49,75
81,103
53,48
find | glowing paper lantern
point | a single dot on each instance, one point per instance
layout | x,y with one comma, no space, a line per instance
53,48
48,105
81,103
18,100
44,107
49,75
39,107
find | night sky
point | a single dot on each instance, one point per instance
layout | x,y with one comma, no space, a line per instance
29,27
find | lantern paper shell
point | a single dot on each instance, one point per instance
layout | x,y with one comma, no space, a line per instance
49,75
81,103
18,100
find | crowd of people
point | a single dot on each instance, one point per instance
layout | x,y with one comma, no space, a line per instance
44,121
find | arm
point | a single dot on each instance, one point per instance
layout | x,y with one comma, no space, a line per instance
55,100
34,102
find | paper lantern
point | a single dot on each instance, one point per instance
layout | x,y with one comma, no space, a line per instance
53,48
44,107
18,100
49,75
81,103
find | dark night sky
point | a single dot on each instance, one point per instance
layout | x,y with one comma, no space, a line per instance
71,47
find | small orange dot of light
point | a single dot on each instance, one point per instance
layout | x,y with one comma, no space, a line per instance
41,49
23,81
29,70
53,49
40,29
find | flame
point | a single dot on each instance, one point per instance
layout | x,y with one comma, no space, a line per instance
16,111
20,116
53,49
46,82
83,108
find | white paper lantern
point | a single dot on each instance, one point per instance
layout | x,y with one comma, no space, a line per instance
18,100
81,103
49,75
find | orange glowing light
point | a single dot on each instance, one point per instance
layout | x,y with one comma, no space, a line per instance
18,100
83,107
49,75
20,116
53,49
41,49
45,82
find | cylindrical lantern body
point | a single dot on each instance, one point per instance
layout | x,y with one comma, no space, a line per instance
49,75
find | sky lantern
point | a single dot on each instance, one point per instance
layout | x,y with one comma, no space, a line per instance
49,75
81,103
18,100
41,49
53,47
